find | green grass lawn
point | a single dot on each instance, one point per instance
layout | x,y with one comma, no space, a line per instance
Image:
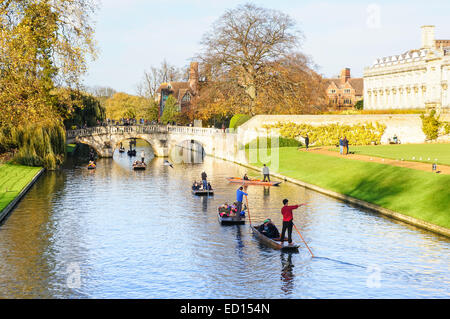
409,152
420,194
13,179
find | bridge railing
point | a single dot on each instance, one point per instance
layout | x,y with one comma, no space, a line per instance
142,129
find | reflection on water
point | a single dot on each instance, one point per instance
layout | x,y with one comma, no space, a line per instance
287,273
141,234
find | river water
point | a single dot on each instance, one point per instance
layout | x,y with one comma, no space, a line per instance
117,233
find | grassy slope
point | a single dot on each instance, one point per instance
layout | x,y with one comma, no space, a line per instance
13,178
441,152
419,194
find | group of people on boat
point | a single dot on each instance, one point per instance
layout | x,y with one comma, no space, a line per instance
139,163
226,210
197,186
204,185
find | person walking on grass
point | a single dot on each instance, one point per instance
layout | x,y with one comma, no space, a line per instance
345,142
266,173
306,141
288,218
341,145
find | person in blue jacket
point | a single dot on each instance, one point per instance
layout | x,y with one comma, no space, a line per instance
239,197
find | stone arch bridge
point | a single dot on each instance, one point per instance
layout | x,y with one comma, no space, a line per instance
162,138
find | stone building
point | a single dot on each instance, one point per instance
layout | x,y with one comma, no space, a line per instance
416,79
344,91
183,92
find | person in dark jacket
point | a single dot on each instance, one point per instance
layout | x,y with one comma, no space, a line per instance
269,229
204,181
307,141
345,141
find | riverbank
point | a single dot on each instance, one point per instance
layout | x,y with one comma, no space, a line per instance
15,181
417,197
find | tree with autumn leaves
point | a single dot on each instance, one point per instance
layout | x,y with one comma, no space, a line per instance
252,65
44,46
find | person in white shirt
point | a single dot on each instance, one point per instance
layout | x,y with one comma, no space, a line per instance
266,173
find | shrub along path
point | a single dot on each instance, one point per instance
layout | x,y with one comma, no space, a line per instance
427,167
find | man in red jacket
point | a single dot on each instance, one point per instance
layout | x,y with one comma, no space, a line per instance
287,219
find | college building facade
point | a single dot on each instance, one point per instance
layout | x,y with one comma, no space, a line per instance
416,79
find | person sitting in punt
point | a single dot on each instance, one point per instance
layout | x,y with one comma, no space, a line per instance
195,186
209,187
246,177
91,163
269,229
224,210
234,209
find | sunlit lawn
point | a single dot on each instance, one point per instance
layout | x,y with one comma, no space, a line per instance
427,153
420,194
13,178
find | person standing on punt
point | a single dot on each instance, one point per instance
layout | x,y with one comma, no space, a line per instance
204,182
288,217
142,156
239,197
266,173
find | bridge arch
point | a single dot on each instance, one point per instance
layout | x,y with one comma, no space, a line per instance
162,138
121,139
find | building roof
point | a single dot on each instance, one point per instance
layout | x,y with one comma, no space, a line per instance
356,83
178,89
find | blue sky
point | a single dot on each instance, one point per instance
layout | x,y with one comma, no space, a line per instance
133,35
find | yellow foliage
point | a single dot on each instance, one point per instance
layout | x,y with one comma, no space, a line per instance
359,134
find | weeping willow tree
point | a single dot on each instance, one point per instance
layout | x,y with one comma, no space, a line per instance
40,144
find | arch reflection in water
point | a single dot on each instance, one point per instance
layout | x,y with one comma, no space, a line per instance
187,152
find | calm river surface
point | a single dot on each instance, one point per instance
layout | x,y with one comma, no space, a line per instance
116,233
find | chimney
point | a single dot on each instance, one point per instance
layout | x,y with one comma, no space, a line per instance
427,36
345,75
193,77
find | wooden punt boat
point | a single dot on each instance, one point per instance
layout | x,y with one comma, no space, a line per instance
284,246
232,220
139,166
251,182
122,150
202,192
131,152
